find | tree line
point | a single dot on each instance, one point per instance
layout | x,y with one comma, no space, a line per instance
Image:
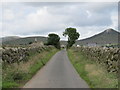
71,33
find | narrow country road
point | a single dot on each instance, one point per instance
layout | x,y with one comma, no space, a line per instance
58,73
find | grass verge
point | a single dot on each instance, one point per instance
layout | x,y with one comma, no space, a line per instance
17,75
93,73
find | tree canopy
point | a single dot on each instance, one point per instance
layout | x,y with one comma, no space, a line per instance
72,34
54,39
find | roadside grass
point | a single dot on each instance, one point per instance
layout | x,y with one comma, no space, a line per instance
0,74
16,75
93,73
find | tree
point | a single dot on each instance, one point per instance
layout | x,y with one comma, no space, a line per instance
30,42
54,39
72,34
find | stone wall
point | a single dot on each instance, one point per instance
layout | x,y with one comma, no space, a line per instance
105,56
18,54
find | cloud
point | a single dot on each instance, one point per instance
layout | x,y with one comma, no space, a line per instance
42,18
60,1
78,12
8,15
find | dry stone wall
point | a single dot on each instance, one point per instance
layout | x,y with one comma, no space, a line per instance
18,54
106,56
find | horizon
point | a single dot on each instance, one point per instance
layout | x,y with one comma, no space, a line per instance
60,38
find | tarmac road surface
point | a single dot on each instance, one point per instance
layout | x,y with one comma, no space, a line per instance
57,73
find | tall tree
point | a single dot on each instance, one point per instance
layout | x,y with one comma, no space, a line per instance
72,34
54,39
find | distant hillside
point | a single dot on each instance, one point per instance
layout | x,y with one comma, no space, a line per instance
9,38
62,42
108,36
23,41
14,40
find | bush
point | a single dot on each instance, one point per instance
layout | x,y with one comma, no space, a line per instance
19,75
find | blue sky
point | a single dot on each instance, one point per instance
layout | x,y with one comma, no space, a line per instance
37,18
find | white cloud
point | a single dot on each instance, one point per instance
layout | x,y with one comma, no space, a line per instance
8,14
114,18
59,0
28,19
43,21
89,14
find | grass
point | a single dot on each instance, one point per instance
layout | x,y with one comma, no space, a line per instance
0,74
93,73
17,75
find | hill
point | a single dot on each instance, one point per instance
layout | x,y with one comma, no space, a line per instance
108,36
23,41
9,38
62,42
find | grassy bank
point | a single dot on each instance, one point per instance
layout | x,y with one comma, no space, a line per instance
0,74
16,75
93,73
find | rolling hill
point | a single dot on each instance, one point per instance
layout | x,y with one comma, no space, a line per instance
9,38
63,42
23,41
108,36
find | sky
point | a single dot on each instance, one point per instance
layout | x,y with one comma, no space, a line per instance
41,18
